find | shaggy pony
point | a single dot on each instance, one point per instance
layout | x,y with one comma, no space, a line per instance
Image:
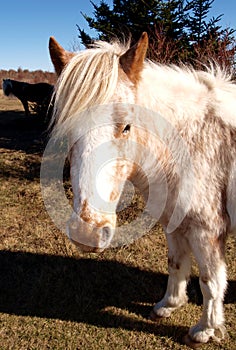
192,153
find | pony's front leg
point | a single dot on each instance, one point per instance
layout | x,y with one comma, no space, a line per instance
179,266
209,253
26,107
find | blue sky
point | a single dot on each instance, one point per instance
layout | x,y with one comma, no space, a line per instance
26,25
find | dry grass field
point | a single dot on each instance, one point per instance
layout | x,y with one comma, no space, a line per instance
54,297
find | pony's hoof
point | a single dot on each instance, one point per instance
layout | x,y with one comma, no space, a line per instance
187,340
159,313
153,316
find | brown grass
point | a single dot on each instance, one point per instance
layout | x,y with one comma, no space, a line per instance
54,297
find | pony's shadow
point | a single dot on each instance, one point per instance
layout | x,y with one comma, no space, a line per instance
20,132
85,290
73,289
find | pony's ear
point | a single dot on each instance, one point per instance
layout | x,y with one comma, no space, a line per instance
59,56
132,60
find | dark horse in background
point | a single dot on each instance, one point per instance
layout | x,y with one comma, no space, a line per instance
39,93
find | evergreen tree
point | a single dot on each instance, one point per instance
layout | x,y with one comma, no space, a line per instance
208,39
197,23
125,18
132,17
177,29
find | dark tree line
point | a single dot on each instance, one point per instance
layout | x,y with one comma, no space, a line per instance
179,30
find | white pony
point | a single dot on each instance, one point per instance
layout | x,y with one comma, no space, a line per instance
178,126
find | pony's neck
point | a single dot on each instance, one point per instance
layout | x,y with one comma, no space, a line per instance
177,94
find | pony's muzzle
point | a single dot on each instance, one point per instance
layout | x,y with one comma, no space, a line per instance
89,237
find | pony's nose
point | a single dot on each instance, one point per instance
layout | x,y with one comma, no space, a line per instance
87,236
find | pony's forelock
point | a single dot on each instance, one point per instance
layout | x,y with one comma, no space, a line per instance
89,80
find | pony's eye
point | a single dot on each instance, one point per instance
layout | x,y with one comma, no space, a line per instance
126,130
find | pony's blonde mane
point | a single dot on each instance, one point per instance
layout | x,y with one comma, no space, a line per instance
91,77
88,80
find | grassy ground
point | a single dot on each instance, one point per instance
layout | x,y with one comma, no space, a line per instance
54,297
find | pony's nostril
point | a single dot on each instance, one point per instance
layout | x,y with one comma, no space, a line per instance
106,236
